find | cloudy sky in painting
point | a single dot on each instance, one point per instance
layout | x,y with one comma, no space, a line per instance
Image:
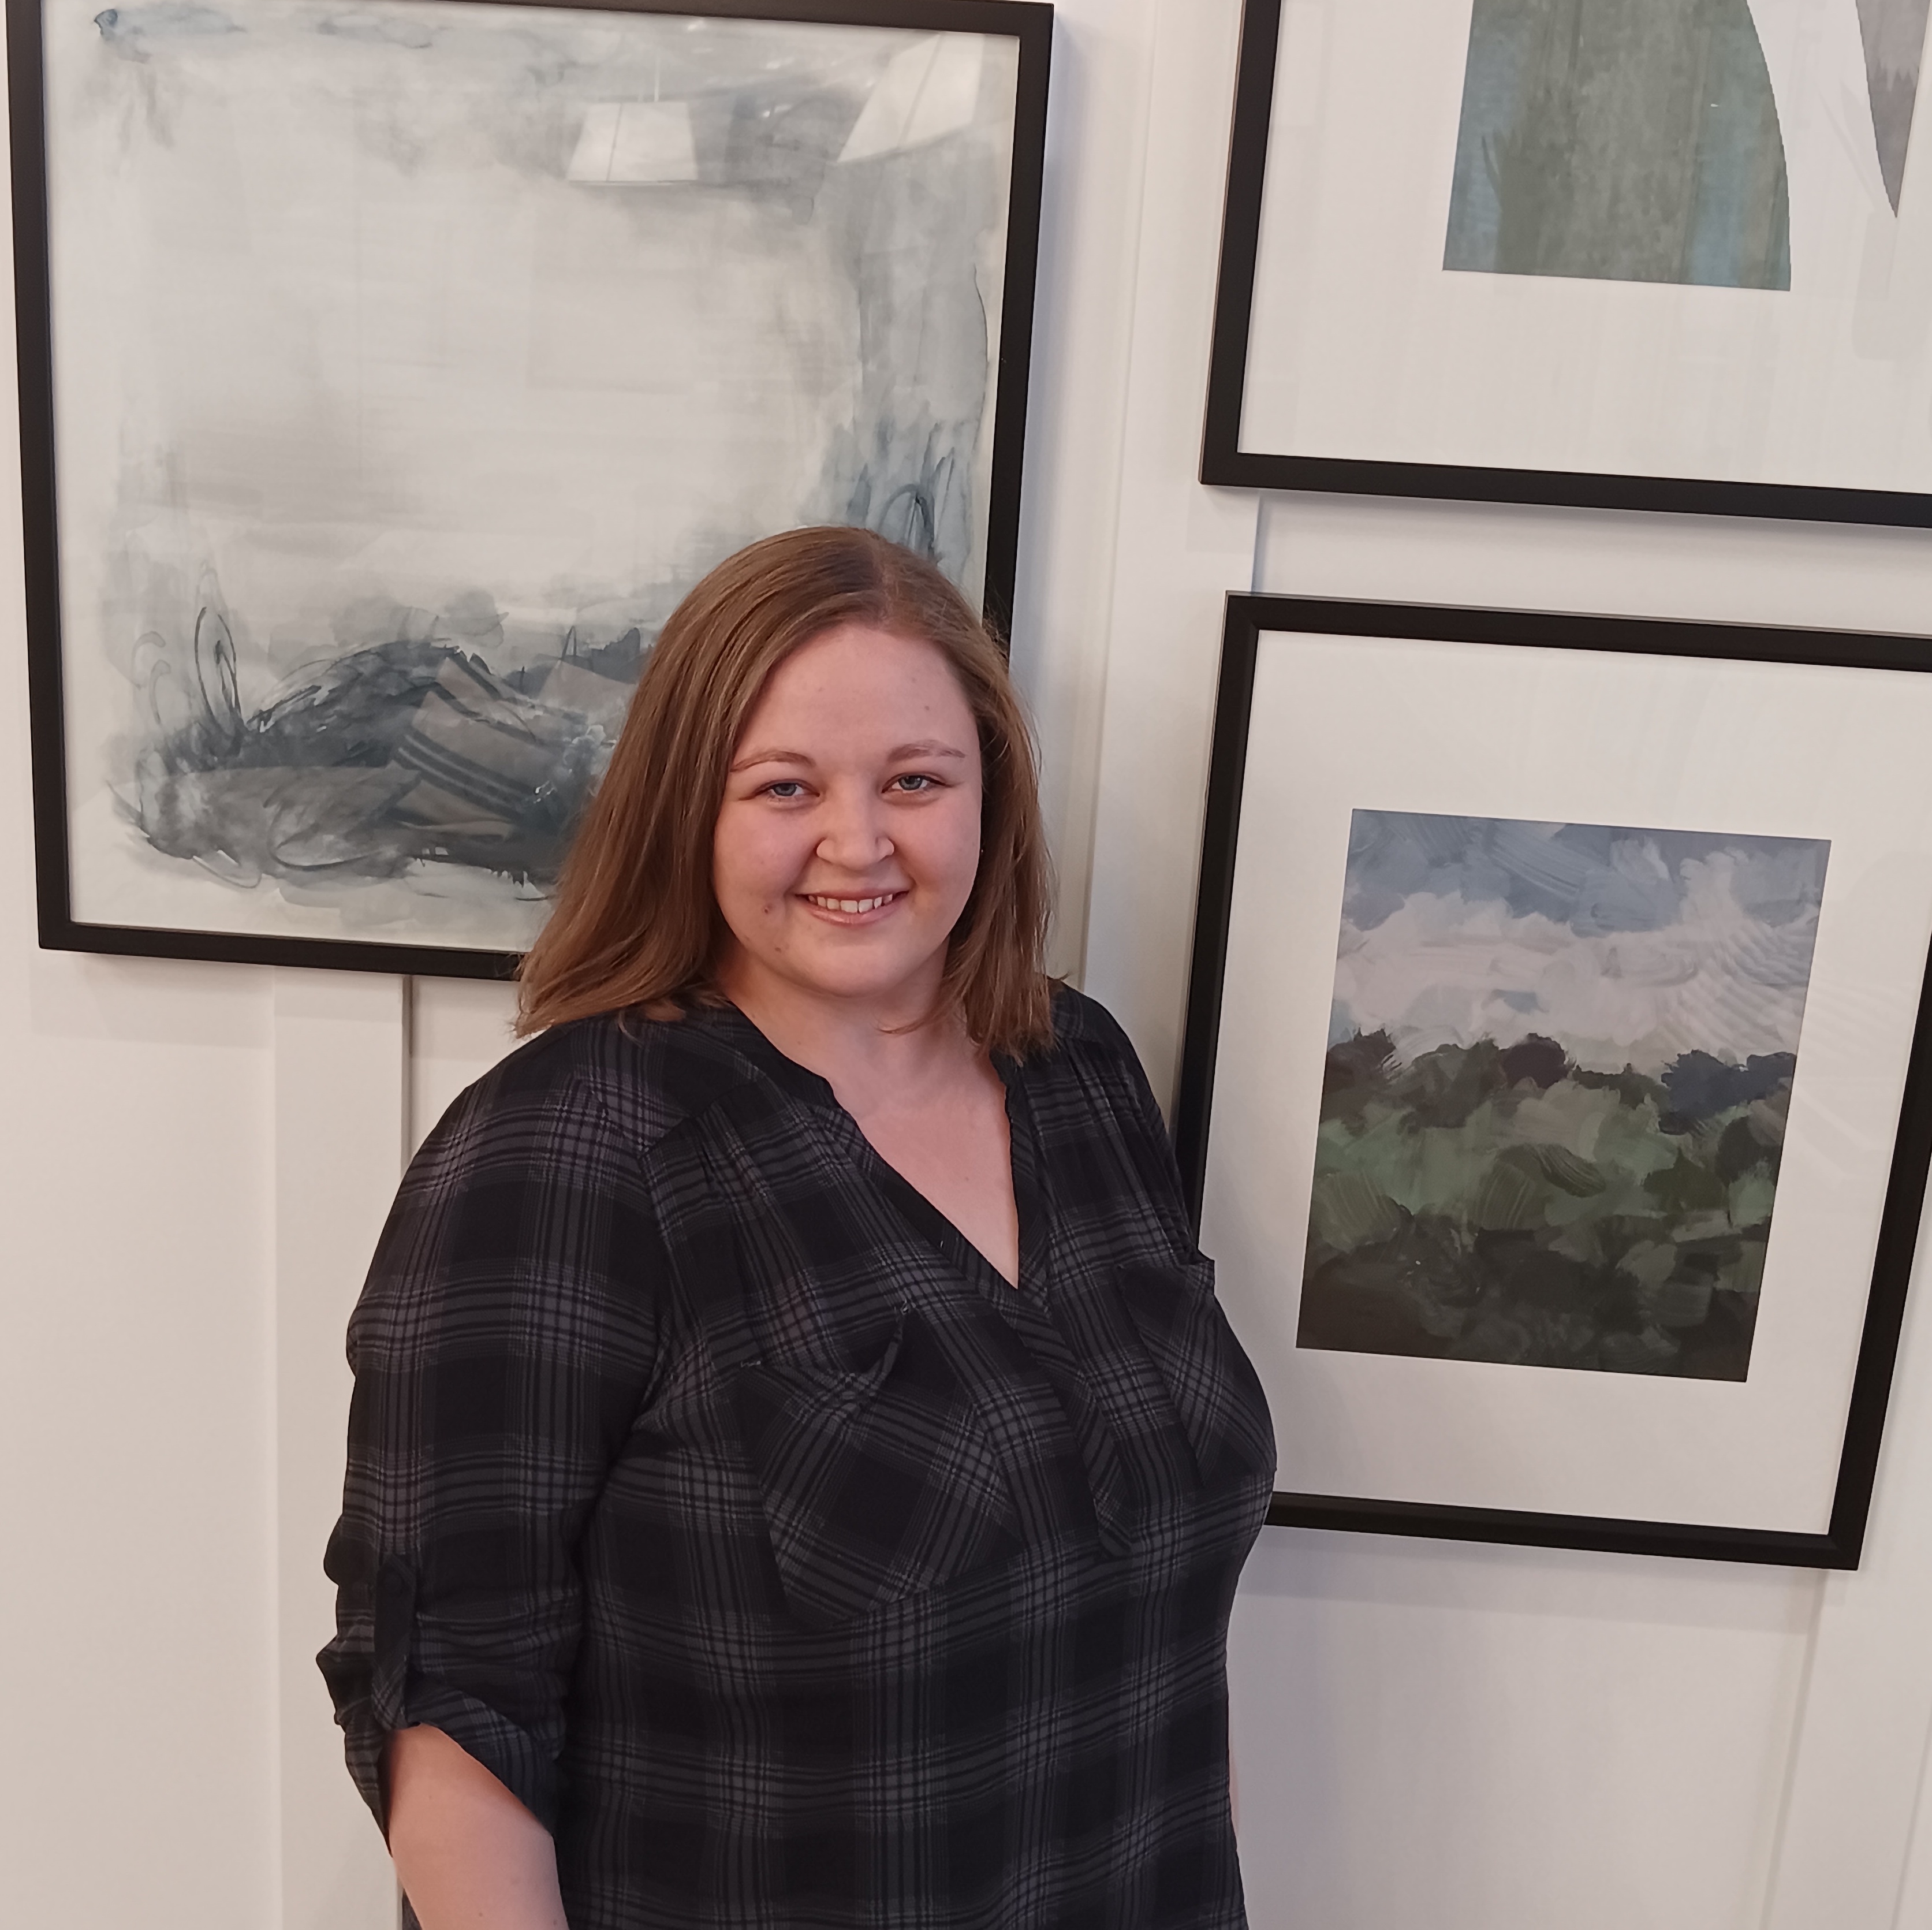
1630,947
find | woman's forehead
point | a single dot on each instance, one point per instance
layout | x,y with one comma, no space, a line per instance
858,678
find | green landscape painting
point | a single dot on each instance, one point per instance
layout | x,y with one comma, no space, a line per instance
1560,1061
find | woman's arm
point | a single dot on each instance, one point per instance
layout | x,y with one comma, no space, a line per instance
468,1855
501,1350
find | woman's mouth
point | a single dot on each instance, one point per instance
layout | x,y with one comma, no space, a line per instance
851,906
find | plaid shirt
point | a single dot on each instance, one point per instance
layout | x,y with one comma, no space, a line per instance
708,1487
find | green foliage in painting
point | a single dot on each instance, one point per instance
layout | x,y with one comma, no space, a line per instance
1493,1203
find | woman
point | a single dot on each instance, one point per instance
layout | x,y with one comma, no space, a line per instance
798,1472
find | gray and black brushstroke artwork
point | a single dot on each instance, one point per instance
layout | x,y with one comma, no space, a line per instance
1560,1064
1619,140
413,360
404,752
1893,34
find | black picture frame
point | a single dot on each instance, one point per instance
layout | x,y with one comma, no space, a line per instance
1251,617
1026,24
1226,463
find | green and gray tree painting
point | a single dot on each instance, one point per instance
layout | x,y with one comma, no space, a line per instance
1559,1067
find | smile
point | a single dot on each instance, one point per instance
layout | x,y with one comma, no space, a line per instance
851,905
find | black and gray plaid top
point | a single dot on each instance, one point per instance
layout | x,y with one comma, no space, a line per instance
709,1487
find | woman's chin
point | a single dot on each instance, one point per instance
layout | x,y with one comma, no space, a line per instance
853,978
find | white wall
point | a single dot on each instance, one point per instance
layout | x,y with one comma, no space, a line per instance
1430,1736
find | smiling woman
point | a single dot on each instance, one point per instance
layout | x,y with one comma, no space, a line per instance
799,1470
848,839
636,919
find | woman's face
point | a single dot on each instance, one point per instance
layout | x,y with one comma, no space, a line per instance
848,840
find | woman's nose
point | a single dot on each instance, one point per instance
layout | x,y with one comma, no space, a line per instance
853,835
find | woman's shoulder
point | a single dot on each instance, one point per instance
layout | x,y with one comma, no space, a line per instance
640,1078
1090,1088
1083,1028
1092,1061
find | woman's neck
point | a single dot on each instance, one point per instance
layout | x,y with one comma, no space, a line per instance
868,1050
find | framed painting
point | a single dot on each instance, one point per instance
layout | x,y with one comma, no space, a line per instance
1557,1089
390,369
1638,254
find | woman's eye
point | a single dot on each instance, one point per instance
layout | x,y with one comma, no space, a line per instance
785,788
916,780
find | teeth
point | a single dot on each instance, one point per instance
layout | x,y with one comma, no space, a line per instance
851,905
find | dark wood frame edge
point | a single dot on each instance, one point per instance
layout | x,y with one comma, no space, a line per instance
1033,31
40,558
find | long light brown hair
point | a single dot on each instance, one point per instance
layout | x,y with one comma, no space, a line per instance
635,922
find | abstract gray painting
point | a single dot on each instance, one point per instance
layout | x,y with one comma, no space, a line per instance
1893,34
1620,140
1559,1065
412,359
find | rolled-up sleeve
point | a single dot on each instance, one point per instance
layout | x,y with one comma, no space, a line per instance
506,1338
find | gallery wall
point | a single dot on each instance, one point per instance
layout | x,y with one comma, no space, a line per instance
1429,1736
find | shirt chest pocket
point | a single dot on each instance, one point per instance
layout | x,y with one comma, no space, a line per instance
877,1484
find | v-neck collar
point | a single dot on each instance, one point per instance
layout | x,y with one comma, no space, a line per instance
1031,1199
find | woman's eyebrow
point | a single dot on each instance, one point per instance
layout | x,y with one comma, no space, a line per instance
925,748
774,756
